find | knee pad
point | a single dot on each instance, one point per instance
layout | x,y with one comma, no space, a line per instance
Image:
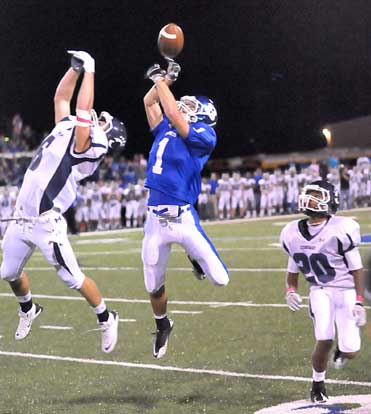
8,274
73,281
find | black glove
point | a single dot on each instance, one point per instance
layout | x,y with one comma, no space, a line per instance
173,70
155,72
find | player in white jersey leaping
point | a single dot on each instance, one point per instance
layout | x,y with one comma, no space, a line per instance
324,249
72,151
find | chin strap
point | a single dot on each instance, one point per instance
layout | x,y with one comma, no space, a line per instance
316,214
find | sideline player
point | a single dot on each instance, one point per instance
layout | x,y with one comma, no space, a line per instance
72,151
324,248
184,140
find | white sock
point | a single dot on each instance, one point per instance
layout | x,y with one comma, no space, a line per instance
100,308
318,376
160,316
25,298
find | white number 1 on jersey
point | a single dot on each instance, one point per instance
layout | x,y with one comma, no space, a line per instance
157,169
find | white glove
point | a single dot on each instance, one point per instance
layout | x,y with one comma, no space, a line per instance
88,62
359,313
155,73
293,300
173,70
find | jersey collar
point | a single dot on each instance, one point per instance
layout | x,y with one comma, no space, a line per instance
303,229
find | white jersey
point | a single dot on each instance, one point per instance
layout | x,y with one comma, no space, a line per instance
52,178
224,186
327,257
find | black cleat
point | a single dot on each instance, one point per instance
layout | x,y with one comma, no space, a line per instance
161,341
318,393
197,269
338,361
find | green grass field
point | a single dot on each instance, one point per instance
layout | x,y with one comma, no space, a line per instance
233,350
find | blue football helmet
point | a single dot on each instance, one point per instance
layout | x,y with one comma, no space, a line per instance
319,198
198,109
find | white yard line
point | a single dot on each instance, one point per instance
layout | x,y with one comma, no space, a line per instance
137,269
175,250
186,312
221,373
123,252
57,328
173,302
172,269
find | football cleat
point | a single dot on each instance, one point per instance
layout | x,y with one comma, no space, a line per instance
197,269
161,341
338,361
109,331
26,319
318,393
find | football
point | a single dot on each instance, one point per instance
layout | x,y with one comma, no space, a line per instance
170,40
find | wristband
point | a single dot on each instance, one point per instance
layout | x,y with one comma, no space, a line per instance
83,117
290,290
359,298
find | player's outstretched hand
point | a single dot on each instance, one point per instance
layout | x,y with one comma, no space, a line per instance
173,70
294,301
84,59
359,313
155,72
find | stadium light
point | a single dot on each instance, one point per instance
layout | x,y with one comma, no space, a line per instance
327,134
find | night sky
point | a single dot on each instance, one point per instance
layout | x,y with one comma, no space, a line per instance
277,70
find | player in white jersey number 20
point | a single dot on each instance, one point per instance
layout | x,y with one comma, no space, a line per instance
324,249
72,151
183,141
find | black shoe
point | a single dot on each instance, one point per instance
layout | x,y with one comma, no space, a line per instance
161,341
318,392
338,361
197,269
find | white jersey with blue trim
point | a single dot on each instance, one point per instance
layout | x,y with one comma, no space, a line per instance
175,163
327,257
52,178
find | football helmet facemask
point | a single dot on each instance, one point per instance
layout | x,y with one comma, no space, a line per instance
115,131
319,198
198,109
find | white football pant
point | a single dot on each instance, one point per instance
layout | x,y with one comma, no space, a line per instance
49,233
330,307
159,235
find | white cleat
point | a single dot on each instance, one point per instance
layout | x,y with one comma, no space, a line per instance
25,321
109,331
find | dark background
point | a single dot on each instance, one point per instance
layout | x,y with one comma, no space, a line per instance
277,70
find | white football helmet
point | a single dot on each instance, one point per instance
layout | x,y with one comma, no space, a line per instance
325,203
198,109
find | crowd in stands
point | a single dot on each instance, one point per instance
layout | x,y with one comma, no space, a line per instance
116,197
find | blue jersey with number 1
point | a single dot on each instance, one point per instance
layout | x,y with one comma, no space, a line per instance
175,164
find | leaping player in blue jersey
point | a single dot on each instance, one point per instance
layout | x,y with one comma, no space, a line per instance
72,151
184,138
